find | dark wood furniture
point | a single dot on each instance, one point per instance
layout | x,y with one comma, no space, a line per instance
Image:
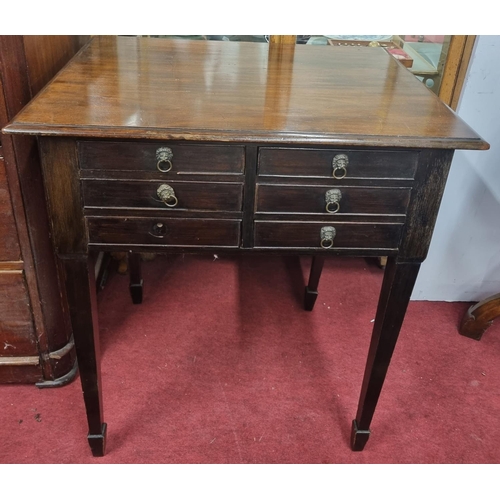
479,317
189,146
35,334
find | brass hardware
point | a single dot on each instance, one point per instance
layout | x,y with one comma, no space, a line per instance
339,165
327,235
19,360
167,195
60,353
164,155
332,200
159,230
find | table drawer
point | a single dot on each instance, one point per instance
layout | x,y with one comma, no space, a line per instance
274,234
280,198
145,156
371,164
164,231
195,196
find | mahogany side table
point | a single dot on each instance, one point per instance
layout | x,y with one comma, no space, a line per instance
152,145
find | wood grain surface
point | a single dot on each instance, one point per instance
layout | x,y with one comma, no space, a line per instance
272,198
216,91
141,156
9,244
364,164
16,327
274,234
174,232
209,196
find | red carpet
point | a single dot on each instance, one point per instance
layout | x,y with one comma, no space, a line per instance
221,364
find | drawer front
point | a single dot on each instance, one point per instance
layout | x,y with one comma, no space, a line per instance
320,163
198,196
164,231
273,198
273,234
185,159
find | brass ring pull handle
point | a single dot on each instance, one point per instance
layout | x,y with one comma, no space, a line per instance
332,200
167,195
339,165
164,155
327,235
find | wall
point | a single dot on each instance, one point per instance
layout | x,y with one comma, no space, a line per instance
464,258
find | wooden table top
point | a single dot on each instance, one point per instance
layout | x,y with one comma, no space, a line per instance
128,87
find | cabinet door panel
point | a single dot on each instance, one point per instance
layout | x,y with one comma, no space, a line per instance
17,336
9,244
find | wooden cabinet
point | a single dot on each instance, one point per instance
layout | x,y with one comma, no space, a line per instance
35,337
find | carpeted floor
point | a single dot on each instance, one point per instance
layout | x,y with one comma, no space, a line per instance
221,364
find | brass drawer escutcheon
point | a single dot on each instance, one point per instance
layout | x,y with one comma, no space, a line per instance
164,155
327,235
159,230
332,200
166,194
339,165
